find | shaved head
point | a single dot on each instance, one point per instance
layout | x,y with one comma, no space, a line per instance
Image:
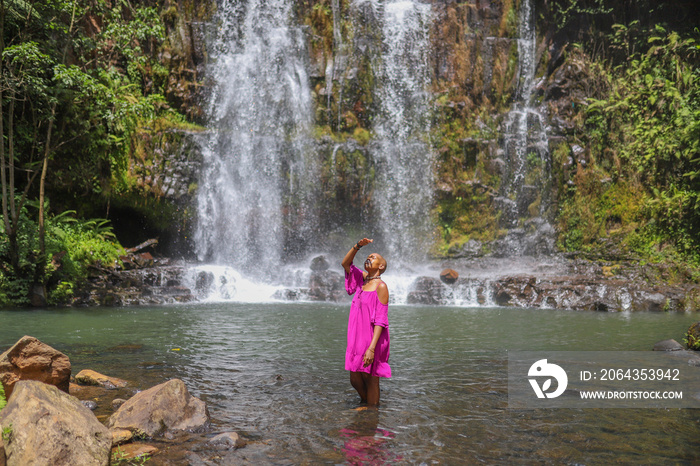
382,261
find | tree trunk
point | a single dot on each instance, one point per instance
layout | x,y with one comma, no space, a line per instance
38,291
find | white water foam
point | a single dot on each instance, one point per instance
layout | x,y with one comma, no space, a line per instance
220,283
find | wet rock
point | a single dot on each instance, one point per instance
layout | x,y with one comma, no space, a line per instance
503,296
528,194
204,280
117,402
30,359
319,264
600,307
650,301
426,290
132,451
288,295
541,241
165,407
510,245
89,404
90,377
509,212
120,436
470,249
327,286
227,440
449,276
52,427
668,345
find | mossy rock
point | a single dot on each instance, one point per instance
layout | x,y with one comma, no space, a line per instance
692,337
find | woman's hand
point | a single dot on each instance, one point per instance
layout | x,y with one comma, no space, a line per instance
364,242
368,358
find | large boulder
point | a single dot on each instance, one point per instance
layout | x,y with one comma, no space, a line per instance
426,290
164,408
43,425
30,359
327,286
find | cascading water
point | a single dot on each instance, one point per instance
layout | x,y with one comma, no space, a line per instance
524,193
404,181
257,180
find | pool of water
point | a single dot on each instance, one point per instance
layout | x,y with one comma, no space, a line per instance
274,373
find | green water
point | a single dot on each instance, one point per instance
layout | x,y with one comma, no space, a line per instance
274,373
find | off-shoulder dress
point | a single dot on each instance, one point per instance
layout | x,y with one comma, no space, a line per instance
366,311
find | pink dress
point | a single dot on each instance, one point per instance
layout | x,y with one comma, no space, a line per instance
366,311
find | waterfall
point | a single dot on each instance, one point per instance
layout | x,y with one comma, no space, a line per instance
403,190
256,185
524,186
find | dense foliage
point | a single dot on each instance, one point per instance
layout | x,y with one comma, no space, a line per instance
640,192
79,82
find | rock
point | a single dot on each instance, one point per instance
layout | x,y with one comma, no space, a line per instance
204,280
449,276
90,377
668,345
509,212
692,336
89,404
426,290
502,297
287,295
227,440
120,436
30,359
319,264
2,453
165,407
327,286
51,427
117,402
472,248
131,451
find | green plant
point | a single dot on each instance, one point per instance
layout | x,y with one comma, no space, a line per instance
3,400
121,458
7,432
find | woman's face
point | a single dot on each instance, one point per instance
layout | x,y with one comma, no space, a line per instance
373,262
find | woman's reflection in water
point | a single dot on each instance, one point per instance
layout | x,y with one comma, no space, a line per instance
365,443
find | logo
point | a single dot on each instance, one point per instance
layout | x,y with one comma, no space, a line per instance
543,369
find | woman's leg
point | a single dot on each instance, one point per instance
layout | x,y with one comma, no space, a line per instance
371,383
358,382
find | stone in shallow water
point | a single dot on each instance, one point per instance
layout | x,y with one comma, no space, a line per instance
227,440
120,436
165,407
89,404
131,451
668,345
90,377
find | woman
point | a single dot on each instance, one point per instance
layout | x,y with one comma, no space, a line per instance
367,353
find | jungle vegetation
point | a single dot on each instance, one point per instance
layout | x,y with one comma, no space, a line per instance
86,89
